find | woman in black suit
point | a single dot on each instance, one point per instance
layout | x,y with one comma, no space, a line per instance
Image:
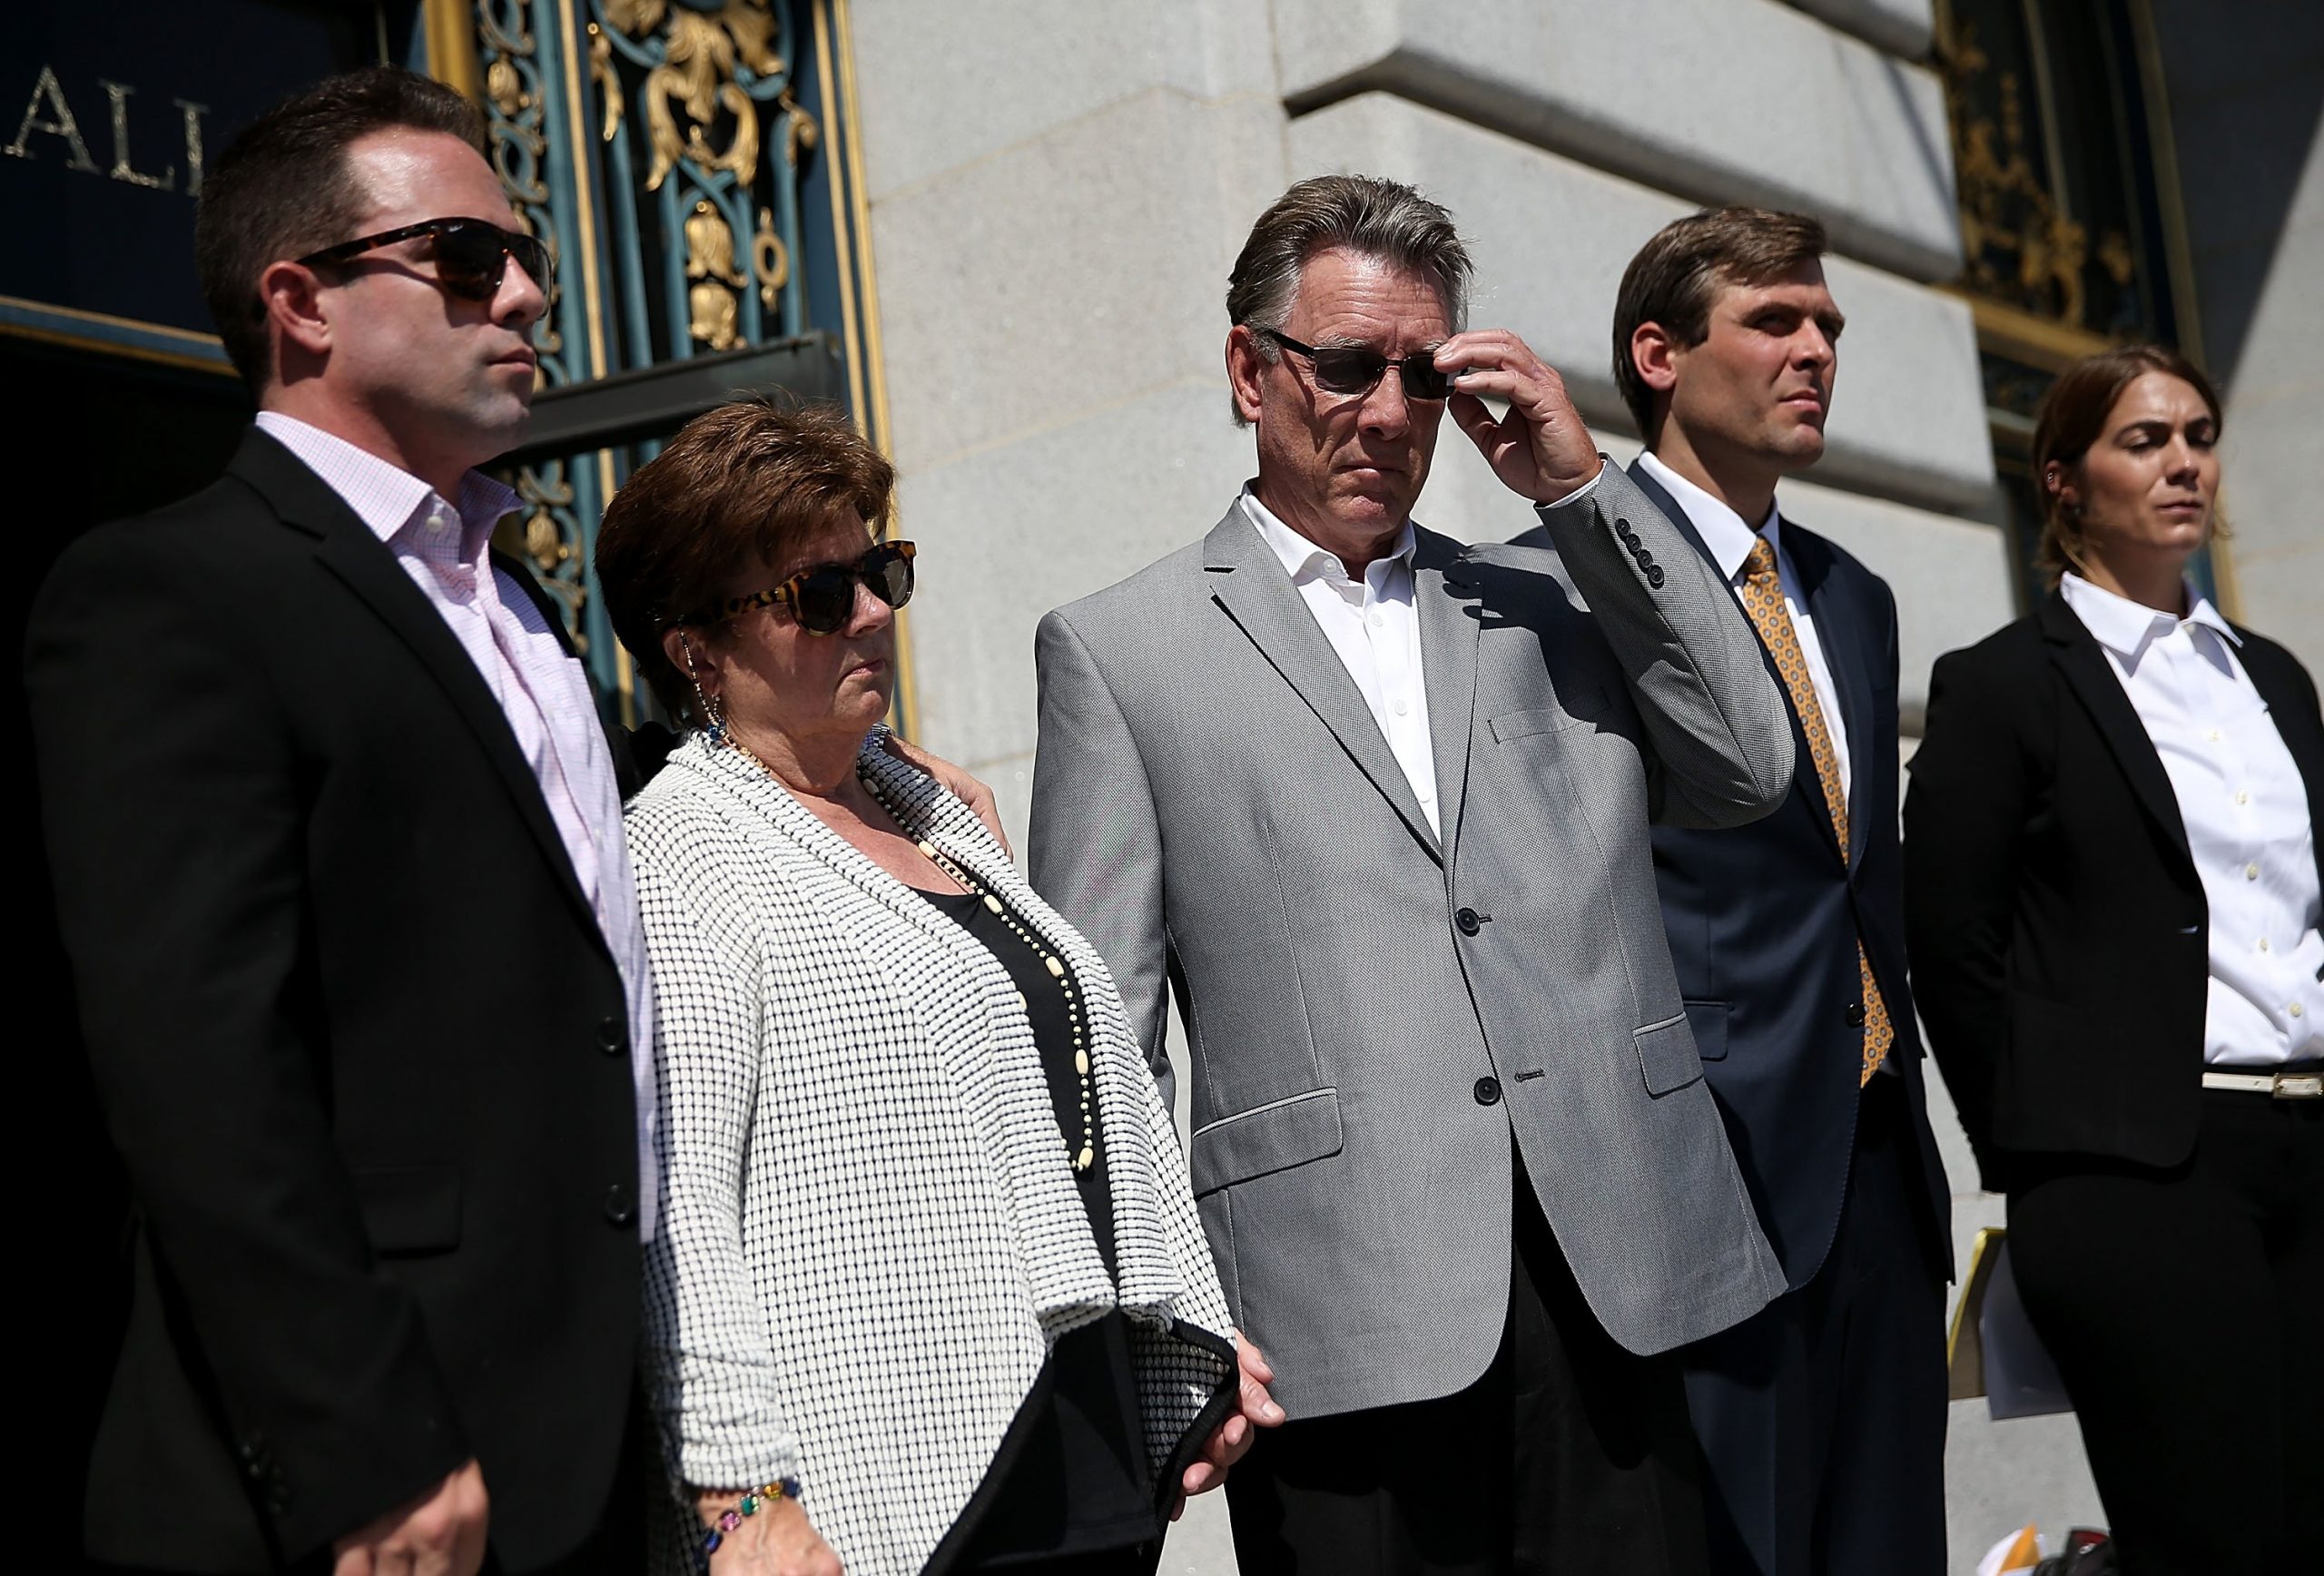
2113,894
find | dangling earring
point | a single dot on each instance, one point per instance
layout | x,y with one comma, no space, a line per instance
714,715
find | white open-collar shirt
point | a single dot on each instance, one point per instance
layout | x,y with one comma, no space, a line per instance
1730,537
2244,807
1374,625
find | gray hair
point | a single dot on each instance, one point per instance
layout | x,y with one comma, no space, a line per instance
1366,215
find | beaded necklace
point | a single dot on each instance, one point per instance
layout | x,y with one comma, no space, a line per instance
1085,1155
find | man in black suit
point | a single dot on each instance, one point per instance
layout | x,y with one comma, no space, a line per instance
338,866
1822,1418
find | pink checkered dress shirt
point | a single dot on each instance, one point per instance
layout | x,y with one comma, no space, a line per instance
542,691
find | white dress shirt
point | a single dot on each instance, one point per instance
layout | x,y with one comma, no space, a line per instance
542,692
2244,807
1729,541
1374,628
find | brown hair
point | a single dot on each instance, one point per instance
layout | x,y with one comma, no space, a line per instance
2073,417
744,484
1366,215
283,188
1674,276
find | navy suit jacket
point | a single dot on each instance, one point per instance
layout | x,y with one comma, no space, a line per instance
1764,921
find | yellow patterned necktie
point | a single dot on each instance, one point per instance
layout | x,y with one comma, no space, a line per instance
1762,593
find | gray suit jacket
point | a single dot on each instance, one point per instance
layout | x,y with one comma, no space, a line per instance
1373,1013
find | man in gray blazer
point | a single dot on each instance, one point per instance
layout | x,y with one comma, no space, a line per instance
1376,806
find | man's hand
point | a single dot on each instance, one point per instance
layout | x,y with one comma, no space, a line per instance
440,1534
1541,450
1232,1438
955,781
780,1540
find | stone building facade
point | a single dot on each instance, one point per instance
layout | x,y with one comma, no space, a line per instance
1058,188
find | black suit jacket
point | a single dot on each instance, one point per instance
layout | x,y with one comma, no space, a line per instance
1764,921
358,1038
2058,933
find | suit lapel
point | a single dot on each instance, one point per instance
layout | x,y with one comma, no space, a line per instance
2297,724
2093,681
1840,631
347,549
1443,596
1246,581
1803,759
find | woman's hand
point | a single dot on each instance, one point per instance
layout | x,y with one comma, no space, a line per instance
778,1542
959,785
1232,1438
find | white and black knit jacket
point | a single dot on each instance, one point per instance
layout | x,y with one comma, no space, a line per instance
871,1234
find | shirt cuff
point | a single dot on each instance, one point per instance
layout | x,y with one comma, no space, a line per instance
1578,494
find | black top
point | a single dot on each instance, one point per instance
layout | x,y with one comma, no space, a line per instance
2058,928
1071,1475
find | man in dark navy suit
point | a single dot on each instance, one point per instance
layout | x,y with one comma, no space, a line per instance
1822,1418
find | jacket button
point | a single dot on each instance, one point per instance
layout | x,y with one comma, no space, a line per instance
1853,1014
1654,576
610,1038
1488,1091
618,1207
1466,921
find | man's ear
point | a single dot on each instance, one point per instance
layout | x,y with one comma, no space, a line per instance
294,304
1244,369
1654,355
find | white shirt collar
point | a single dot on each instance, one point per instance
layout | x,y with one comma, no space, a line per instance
2128,627
384,496
1723,530
1304,561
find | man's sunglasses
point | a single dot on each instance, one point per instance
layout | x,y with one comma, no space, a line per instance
471,256
1352,369
823,599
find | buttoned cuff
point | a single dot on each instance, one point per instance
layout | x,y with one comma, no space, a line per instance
1578,494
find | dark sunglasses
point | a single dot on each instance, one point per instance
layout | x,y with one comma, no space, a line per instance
471,256
1351,370
823,599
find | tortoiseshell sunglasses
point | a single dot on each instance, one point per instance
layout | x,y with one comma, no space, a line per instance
823,599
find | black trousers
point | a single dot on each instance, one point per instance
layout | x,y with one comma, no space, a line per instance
1822,1417
1568,1456
2182,1307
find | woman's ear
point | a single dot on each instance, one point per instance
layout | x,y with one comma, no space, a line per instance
2057,484
678,646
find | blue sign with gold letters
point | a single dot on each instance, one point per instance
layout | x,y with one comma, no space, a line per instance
109,111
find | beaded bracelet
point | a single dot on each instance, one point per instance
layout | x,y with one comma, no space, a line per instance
781,1489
